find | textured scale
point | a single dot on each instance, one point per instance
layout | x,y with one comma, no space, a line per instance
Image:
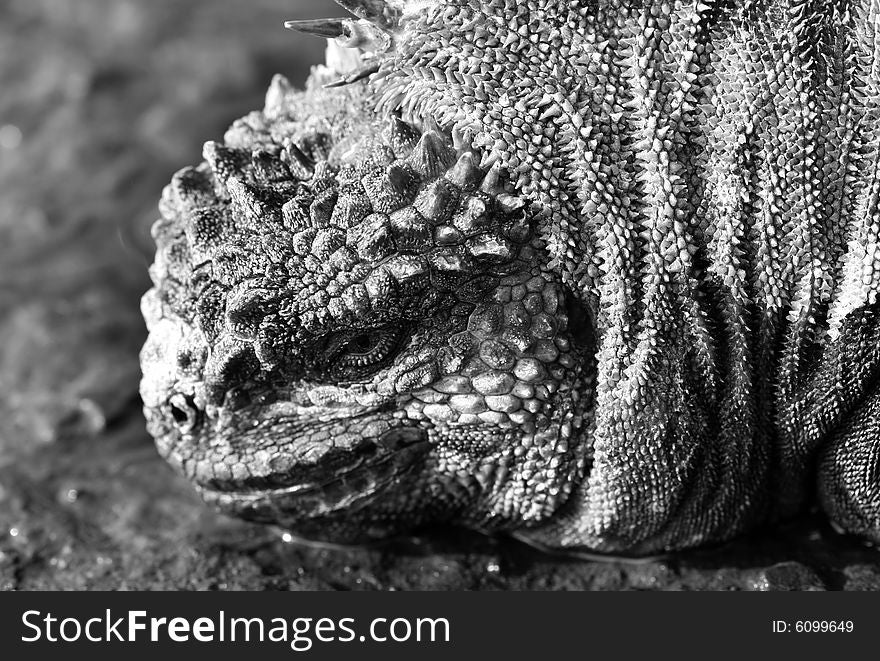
619,260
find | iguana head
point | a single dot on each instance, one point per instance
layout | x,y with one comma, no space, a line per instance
353,330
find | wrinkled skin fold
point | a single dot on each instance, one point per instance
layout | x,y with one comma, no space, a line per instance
602,274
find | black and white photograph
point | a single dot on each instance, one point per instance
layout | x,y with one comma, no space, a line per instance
439,295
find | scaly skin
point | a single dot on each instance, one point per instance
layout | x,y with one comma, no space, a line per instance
601,273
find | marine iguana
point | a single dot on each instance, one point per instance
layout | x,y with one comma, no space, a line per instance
603,273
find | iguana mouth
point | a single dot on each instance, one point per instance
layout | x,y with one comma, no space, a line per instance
337,476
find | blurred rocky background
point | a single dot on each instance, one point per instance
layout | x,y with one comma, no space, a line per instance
102,100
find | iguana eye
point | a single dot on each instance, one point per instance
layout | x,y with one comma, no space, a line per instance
184,412
359,354
363,344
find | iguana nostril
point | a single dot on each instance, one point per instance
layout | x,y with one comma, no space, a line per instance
184,411
184,359
178,415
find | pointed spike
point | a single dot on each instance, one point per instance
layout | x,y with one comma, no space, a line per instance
346,32
321,210
391,188
430,124
432,155
255,205
268,167
295,216
330,28
401,137
400,178
437,201
489,159
491,183
466,172
301,166
276,95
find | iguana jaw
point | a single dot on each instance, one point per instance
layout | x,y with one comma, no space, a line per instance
333,484
332,464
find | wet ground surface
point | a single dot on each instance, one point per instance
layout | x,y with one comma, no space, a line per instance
102,101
